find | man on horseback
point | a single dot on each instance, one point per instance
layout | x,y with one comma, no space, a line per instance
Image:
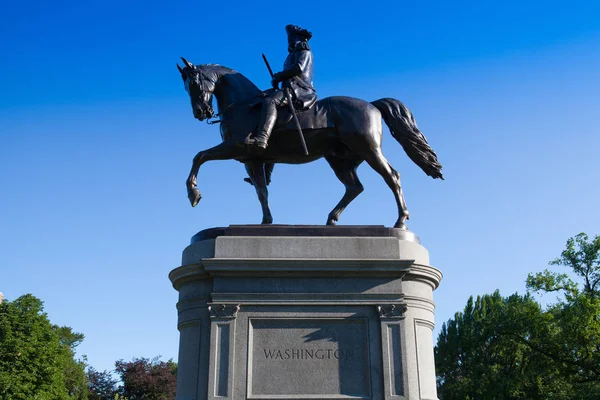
297,76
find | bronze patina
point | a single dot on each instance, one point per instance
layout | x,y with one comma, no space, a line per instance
258,131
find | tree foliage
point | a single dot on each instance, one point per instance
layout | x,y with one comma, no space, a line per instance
36,357
73,369
37,362
147,379
481,353
512,348
102,385
572,336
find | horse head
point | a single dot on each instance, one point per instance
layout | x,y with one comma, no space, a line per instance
200,84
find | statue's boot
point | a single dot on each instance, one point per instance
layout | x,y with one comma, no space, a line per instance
265,128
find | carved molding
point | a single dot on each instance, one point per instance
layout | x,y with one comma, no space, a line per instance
224,311
392,311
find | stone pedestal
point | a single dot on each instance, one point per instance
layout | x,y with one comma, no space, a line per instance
304,312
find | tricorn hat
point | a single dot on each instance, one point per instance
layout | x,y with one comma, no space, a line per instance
296,30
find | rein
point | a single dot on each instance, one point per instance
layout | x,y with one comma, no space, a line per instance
226,108
219,114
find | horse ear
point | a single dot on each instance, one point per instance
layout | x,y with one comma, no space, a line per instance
181,72
187,63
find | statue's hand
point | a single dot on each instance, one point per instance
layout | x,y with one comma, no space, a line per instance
275,83
276,79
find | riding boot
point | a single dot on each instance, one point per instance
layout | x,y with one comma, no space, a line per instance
267,122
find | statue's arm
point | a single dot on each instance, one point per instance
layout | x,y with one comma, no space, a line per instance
299,66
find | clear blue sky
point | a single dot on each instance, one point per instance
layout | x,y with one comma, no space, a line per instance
97,137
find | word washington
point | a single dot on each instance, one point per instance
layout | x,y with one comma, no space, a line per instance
305,354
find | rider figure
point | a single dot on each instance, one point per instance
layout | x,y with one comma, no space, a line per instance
297,76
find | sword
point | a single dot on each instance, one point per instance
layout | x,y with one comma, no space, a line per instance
288,95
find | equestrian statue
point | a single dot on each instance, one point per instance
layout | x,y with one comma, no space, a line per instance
289,125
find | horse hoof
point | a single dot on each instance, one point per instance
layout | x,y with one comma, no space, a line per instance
332,219
194,196
400,225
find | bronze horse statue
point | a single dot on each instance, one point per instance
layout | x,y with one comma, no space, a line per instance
344,130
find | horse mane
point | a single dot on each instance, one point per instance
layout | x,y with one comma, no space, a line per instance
220,71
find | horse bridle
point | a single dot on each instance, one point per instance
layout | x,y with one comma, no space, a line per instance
201,78
216,118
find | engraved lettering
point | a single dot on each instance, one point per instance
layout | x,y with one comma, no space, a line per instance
308,354
268,353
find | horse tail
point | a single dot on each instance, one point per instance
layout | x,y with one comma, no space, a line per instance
404,129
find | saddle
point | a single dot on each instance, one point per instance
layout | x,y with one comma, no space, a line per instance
311,114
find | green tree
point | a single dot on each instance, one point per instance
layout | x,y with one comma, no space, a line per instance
73,369
481,353
512,348
572,334
36,357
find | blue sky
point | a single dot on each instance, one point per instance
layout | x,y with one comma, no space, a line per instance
97,137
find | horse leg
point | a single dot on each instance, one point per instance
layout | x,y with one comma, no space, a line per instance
268,171
223,151
402,201
378,162
256,171
345,170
